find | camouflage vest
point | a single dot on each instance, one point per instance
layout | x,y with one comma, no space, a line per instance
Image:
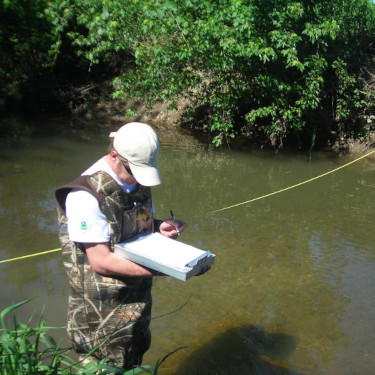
105,307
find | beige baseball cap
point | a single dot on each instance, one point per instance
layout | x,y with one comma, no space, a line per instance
139,145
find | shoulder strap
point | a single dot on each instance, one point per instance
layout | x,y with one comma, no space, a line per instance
81,183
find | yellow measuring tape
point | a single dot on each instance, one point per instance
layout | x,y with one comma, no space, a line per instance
294,186
31,255
225,208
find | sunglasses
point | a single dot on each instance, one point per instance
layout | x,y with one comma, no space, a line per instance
127,168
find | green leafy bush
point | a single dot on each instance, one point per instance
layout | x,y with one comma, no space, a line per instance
273,69
261,67
25,39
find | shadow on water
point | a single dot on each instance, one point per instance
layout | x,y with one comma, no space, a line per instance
242,350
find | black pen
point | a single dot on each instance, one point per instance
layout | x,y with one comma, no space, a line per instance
178,231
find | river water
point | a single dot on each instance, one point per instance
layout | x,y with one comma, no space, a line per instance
292,288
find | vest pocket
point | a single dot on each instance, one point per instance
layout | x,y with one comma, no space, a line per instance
138,219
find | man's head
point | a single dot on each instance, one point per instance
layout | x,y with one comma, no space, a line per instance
137,146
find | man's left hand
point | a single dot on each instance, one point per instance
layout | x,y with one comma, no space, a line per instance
168,228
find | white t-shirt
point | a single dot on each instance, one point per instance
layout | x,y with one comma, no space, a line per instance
86,222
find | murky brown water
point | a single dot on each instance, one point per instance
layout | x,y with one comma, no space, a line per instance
292,289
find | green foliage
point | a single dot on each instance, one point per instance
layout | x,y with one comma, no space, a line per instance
99,30
258,66
266,67
26,351
60,15
130,112
25,39
19,355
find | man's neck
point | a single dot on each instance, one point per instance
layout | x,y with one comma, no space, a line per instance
109,160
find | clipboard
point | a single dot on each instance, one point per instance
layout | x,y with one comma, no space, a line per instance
165,255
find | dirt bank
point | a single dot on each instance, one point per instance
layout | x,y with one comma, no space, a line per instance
94,105
99,106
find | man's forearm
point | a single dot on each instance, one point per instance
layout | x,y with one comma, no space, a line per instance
104,262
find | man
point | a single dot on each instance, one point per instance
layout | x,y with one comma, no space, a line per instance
110,300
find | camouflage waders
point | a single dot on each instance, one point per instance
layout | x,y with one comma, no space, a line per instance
113,312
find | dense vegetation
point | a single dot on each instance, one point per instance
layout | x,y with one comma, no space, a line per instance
275,70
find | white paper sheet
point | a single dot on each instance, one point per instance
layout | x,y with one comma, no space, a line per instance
169,256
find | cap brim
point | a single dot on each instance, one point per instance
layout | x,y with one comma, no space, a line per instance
146,175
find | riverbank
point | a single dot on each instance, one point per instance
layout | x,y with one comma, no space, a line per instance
95,107
112,113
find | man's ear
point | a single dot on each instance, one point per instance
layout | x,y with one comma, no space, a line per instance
113,154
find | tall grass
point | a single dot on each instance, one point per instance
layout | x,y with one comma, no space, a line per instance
26,350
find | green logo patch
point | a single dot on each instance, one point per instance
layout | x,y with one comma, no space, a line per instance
83,225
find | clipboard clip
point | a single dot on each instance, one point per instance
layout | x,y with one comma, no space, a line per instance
199,260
